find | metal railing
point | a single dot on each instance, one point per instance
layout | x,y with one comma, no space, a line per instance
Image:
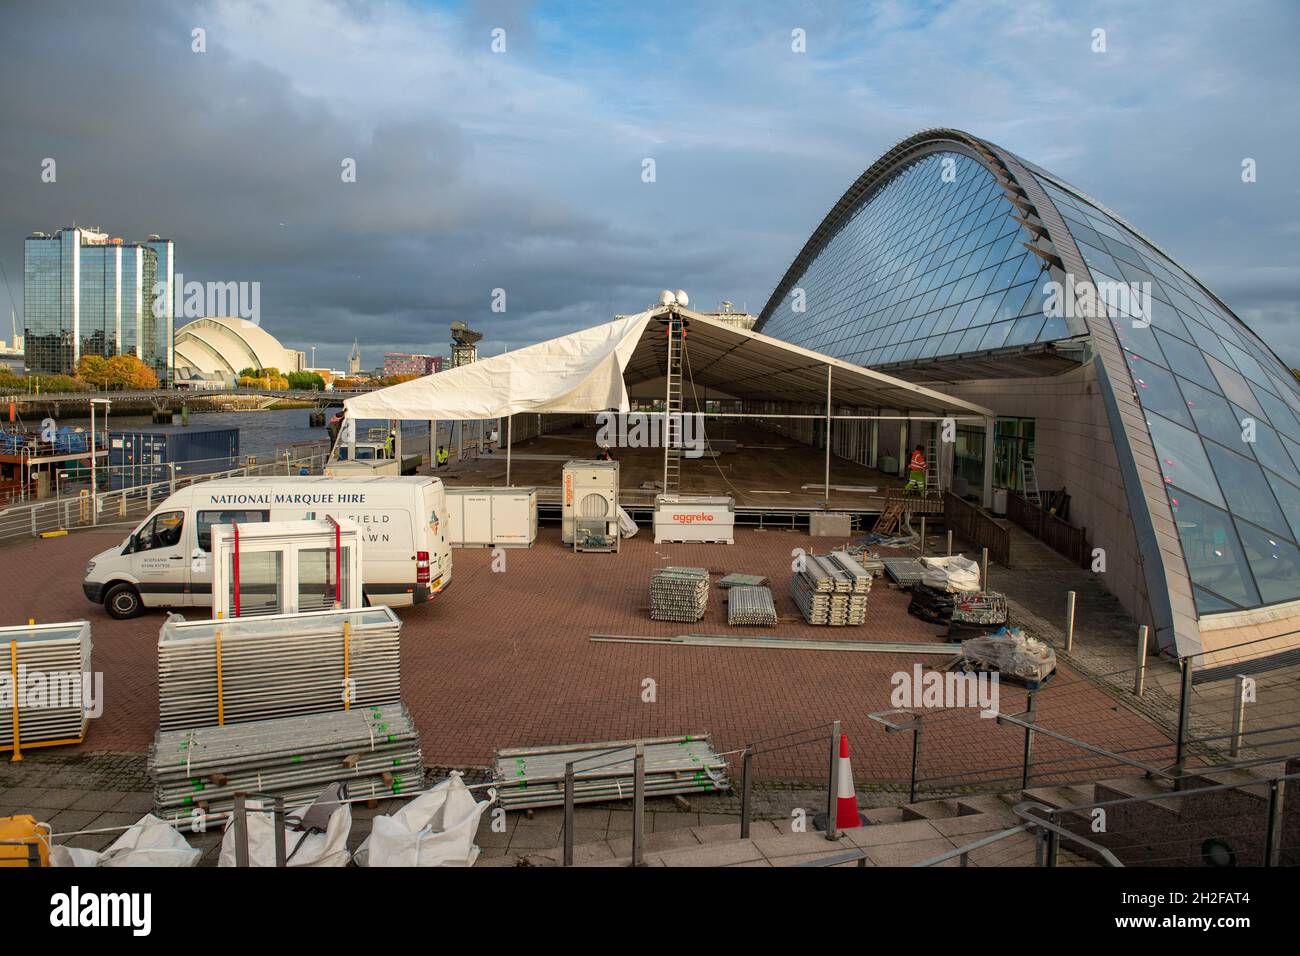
815,735
977,527
1052,530
1231,821
1195,716
124,504
1047,840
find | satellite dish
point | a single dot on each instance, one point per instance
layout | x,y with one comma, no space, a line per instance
683,298
666,298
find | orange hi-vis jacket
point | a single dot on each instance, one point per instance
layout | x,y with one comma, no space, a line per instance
918,462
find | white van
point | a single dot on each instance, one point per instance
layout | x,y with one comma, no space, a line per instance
164,562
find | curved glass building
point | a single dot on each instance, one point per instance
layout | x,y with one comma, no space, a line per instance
1173,427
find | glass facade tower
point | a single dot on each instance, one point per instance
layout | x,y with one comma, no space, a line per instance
85,293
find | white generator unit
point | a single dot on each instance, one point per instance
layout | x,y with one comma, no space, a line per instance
284,567
485,517
590,493
699,518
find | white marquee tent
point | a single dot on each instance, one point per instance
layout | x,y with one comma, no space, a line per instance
590,370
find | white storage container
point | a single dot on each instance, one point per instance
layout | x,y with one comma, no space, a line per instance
697,518
484,517
590,491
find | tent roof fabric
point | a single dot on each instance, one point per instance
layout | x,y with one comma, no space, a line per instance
589,371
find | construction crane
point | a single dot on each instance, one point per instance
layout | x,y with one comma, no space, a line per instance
464,347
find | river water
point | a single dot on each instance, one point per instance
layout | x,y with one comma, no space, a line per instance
261,432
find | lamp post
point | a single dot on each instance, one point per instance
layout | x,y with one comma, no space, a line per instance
94,456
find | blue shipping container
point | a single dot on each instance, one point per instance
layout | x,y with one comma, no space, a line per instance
148,455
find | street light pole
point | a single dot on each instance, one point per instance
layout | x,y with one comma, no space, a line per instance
94,456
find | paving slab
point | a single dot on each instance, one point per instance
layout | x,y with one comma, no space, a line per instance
881,834
714,854
910,853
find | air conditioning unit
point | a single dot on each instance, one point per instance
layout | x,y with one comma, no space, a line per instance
590,493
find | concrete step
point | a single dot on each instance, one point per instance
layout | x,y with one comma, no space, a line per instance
878,815
1060,796
983,803
930,810
1247,781
1122,788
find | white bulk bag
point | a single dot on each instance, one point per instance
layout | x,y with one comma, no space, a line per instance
302,848
953,574
627,528
150,842
437,828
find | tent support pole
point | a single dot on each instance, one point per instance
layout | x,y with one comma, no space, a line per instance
510,421
828,435
990,440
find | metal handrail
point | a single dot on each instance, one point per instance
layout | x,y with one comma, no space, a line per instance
1083,745
1032,824
1179,794
1022,810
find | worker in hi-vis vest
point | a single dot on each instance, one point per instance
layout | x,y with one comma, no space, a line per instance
389,443
916,471
441,456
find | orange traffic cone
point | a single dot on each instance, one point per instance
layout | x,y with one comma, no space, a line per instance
846,799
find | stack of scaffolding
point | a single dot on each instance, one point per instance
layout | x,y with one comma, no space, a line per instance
246,669
751,607
45,668
738,580
679,594
374,750
906,572
832,589
534,776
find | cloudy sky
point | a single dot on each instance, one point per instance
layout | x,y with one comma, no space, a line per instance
522,169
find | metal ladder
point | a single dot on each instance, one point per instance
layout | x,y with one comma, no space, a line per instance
1029,483
673,407
931,467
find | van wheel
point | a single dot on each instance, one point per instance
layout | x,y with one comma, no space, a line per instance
122,602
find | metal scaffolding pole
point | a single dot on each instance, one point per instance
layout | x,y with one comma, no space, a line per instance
990,438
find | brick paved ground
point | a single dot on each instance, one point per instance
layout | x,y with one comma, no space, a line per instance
503,659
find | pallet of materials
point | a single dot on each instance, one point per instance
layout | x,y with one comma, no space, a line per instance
261,668
751,607
374,750
979,610
53,711
832,590
931,604
679,594
531,777
905,572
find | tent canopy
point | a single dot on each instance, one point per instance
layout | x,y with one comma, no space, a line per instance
589,371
